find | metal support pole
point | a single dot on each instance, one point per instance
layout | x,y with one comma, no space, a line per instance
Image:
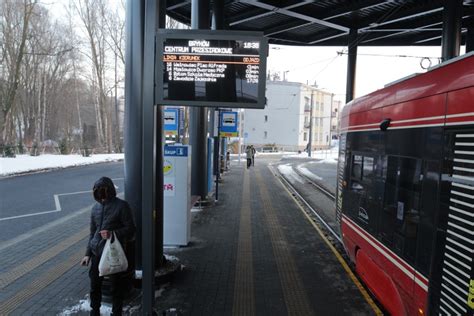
330,121
241,130
351,65
217,24
216,149
198,115
152,162
133,116
451,38
159,143
310,140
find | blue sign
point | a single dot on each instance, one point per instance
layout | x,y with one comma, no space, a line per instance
171,121
176,151
229,124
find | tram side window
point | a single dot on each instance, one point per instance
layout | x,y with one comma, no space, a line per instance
368,170
356,172
361,172
401,211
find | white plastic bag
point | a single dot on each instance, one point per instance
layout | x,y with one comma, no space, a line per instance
113,259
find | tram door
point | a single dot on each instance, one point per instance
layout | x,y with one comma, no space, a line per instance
452,271
364,187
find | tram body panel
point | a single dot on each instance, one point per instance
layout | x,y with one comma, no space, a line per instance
395,191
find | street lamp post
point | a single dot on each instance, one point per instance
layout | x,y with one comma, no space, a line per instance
310,142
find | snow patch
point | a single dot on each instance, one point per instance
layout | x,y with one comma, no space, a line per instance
309,174
84,306
26,163
290,174
171,257
330,156
196,209
160,291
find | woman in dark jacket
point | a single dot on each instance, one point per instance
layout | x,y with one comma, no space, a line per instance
109,215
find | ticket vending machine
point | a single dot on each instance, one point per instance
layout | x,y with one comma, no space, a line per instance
177,195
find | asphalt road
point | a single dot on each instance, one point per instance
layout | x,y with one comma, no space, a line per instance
28,202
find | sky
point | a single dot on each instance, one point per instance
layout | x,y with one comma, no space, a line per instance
328,69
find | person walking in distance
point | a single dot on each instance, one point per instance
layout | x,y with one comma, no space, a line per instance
249,153
109,215
253,154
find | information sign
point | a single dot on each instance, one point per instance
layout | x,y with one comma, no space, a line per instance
211,68
229,124
171,119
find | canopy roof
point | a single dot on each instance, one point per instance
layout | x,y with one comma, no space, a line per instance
327,22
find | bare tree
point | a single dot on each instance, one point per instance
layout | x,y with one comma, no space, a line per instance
90,12
115,25
15,19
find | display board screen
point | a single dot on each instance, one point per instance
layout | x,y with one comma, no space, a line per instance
211,68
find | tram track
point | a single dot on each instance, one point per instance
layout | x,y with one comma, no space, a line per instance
335,236
317,186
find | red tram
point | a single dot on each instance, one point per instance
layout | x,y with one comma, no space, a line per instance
405,193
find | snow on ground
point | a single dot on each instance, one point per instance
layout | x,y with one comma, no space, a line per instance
84,306
309,174
328,156
26,163
290,174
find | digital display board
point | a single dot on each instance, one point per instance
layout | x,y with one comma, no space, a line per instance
211,68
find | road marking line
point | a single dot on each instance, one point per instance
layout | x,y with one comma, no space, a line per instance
59,221
294,293
28,215
244,298
30,290
56,202
341,260
26,267
40,229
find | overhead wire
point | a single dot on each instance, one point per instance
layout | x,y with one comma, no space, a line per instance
359,39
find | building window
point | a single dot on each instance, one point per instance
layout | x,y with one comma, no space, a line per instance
265,134
305,136
266,118
306,101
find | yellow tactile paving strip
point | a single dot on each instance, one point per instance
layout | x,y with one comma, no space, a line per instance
244,299
295,296
26,267
9,305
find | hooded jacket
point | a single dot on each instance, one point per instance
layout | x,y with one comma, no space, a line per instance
113,215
